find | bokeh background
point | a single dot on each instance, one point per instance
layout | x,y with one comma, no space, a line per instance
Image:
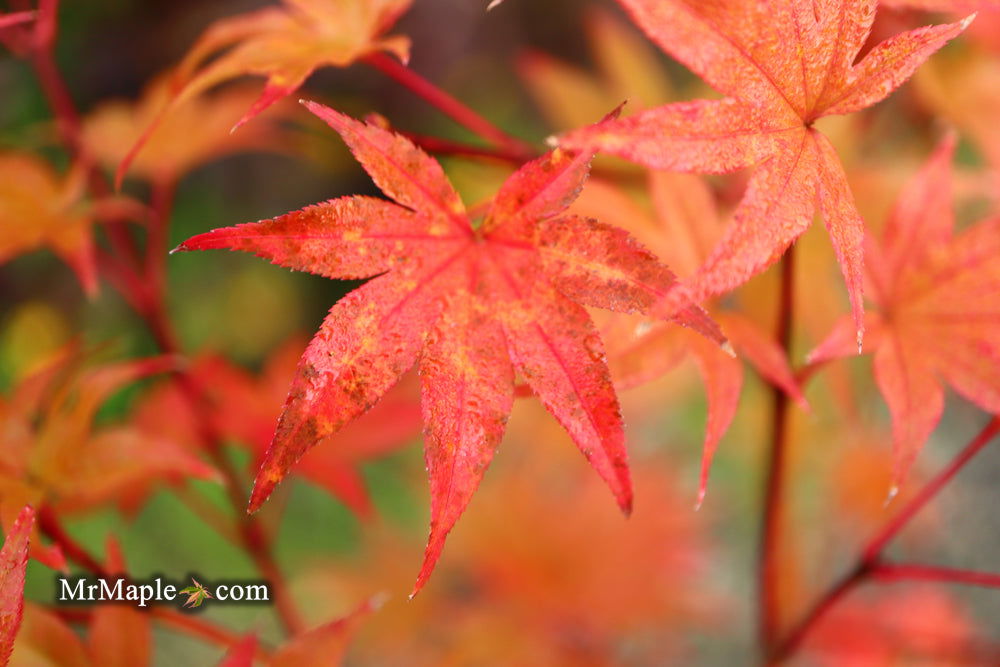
541,569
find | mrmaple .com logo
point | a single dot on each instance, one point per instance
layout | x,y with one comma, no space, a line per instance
90,590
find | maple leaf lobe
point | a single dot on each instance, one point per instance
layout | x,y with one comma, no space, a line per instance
471,307
780,66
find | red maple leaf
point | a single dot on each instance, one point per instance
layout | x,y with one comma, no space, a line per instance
13,564
781,66
474,303
938,295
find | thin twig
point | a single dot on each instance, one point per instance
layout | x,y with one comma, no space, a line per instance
869,562
878,543
50,526
917,572
449,105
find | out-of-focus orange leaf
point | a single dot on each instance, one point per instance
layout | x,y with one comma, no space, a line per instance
285,44
13,563
187,136
38,208
119,635
46,640
937,319
586,589
327,644
628,68
245,407
474,304
963,88
52,456
774,95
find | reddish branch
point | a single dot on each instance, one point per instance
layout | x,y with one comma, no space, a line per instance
450,106
869,565
768,572
142,283
877,544
915,572
196,626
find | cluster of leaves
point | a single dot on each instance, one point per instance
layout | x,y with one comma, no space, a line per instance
556,288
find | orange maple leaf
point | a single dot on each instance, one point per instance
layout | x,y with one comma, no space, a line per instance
938,295
325,644
38,208
118,635
185,137
475,304
781,65
245,407
51,456
285,44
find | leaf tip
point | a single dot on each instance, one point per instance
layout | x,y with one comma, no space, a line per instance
261,492
893,492
964,23
727,347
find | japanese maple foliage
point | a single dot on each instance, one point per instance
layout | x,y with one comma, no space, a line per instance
61,220
781,66
285,44
552,282
474,304
937,294
52,454
244,408
13,562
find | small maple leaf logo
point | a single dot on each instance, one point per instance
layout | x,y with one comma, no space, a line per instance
196,594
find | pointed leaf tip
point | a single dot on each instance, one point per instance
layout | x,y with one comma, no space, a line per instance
893,492
727,347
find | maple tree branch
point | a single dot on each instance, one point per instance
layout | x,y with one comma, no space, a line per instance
869,563
195,626
69,124
440,146
449,105
251,533
158,234
773,509
878,543
49,525
827,601
205,510
912,571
